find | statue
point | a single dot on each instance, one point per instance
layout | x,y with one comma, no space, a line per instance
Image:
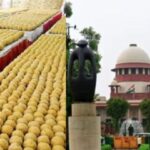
83,84
82,80
131,130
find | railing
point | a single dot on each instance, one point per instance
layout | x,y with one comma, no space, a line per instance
131,96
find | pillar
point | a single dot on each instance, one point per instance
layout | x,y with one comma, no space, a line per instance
84,127
129,70
139,115
117,89
128,113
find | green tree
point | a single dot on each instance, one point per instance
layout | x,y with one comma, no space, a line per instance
68,9
93,39
72,44
145,109
97,97
116,109
98,59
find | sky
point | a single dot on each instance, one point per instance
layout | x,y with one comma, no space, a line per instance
120,23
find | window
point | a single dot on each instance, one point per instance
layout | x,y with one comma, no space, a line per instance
133,71
108,120
140,70
146,71
98,111
126,71
120,71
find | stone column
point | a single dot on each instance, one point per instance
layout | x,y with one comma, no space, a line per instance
139,114
129,70
128,113
84,127
137,71
117,87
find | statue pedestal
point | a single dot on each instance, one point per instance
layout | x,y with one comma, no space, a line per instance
84,127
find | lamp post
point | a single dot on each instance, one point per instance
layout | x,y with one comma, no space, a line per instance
68,34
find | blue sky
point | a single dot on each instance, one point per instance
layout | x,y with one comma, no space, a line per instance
120,22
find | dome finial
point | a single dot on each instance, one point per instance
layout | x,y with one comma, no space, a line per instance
133,45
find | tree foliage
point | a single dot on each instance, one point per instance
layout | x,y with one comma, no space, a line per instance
68,9
98,59
72,44
116,109
93,39
145,109
97,97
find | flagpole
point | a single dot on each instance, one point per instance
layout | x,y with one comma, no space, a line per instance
133,95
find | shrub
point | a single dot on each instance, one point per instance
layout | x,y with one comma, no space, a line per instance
144,147
106,147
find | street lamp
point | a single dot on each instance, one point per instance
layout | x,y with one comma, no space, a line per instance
68,33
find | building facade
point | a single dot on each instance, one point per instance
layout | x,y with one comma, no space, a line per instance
131,82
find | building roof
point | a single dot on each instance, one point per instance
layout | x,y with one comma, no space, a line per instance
133,54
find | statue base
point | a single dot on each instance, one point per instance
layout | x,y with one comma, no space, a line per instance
84,127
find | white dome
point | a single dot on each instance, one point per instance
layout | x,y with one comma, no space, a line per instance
133,54
114,82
